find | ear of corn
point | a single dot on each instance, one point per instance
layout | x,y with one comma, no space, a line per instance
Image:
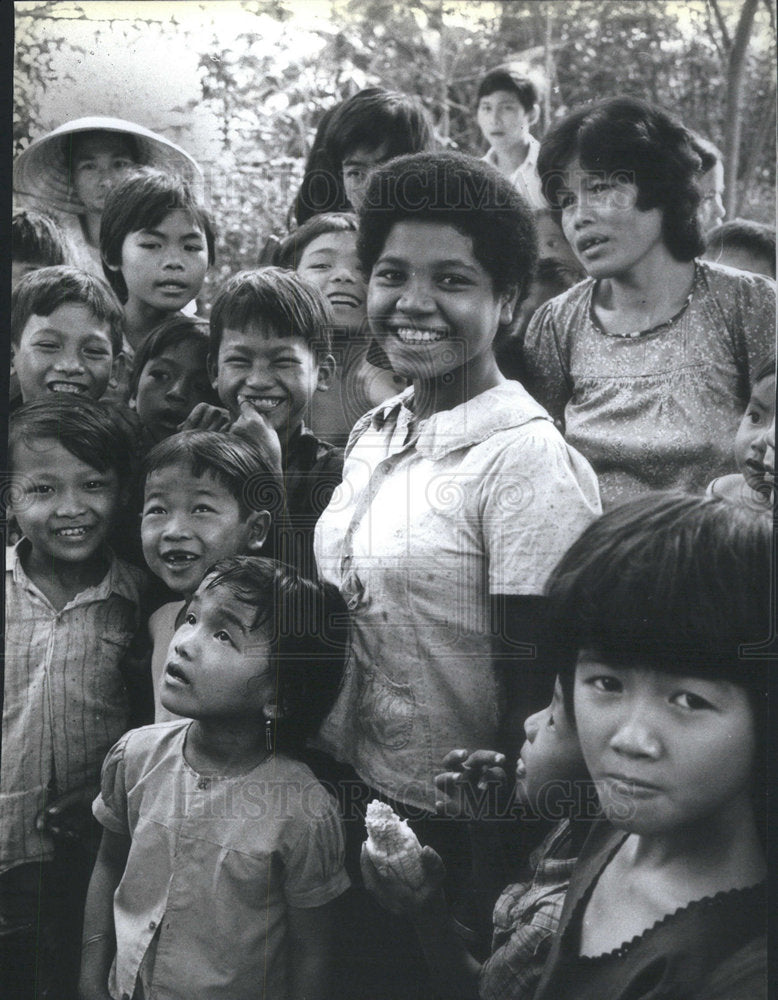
392,846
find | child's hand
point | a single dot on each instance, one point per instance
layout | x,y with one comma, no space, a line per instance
255,427
469,781
205,417
69,816
396,895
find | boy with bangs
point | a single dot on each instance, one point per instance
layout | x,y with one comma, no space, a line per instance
269,353
73,609
66,333
207,496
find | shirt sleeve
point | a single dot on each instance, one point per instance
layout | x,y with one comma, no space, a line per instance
547,377
314,868
536,499
110,806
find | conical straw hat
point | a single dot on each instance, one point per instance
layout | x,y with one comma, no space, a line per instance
42,171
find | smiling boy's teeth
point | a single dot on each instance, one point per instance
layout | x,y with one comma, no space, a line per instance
262,402
409,335
172,558
64,387
71,532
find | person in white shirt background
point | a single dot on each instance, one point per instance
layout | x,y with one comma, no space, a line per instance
506,108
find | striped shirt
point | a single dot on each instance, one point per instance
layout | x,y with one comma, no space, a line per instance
65,702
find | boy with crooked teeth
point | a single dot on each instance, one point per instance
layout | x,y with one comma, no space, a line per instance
66,334
269,353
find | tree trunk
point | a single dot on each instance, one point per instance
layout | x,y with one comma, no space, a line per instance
732,126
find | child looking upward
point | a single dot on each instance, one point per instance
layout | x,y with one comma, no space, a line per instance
157,242
324,251
221,854
72,610
662,608
66,333
753,485
269,353
206,497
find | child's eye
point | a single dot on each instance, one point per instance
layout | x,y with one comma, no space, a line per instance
690,701
605,683
453,280
156,509
287,362
39,489
149,245
47,345
203,508
190,618
95,484
566,199
754,417
235,360
389,274
158,375
194,247
222,636
96,353
120,164
86,165
599,187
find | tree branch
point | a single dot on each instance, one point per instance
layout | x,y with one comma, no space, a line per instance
714,6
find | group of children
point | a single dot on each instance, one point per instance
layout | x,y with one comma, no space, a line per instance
187,634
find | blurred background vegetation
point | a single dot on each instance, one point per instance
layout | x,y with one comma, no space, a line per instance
242,85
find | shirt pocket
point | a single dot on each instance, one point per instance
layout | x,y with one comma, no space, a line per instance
386,709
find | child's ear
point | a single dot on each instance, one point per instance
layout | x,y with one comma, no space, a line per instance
259,526
508,305
212,367
118,370
533,115
326,374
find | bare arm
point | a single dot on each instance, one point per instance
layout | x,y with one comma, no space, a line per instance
99,939
310,948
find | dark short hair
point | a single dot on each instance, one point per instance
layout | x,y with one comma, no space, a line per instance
505,78
142,201
460,191
628,138
709,154
742,234
671,582
37,239
561,274
172,331
307,625
232,461
40,292
370,118
293,246
274,299
88,429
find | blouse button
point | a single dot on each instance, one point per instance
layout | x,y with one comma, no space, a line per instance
152,925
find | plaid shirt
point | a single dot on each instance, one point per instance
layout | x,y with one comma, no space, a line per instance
526,917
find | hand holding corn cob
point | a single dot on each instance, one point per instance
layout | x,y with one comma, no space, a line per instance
395,867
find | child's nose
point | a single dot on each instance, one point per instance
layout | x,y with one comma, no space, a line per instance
70,503
532,725
174,258
69,361
635,736
176,526
416,298
343,274
177,389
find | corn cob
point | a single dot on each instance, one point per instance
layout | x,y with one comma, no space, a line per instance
392,846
